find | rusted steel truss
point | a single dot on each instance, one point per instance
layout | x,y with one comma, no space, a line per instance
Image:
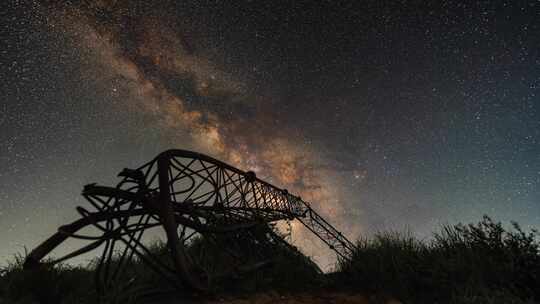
185,194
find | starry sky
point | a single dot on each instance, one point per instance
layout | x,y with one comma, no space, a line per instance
385,115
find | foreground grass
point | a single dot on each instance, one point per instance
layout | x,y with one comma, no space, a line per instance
287,270
59,284
475,263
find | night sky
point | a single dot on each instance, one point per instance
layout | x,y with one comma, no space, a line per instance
384,114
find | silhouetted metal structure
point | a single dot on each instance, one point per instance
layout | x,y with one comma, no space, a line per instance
187,194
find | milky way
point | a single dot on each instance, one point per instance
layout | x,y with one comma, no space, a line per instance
384,117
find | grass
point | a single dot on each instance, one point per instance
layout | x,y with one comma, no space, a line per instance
286,270
60,284
474,263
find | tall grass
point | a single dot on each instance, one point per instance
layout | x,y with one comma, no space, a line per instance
474,263
262,263
59,284
287,269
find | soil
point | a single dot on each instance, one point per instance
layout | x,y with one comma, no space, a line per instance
319,297
301,298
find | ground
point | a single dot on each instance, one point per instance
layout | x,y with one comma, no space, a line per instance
300,298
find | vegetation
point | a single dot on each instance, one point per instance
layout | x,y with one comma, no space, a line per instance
60,284
287,270
475,263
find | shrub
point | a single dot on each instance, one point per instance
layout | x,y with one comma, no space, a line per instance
462,262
